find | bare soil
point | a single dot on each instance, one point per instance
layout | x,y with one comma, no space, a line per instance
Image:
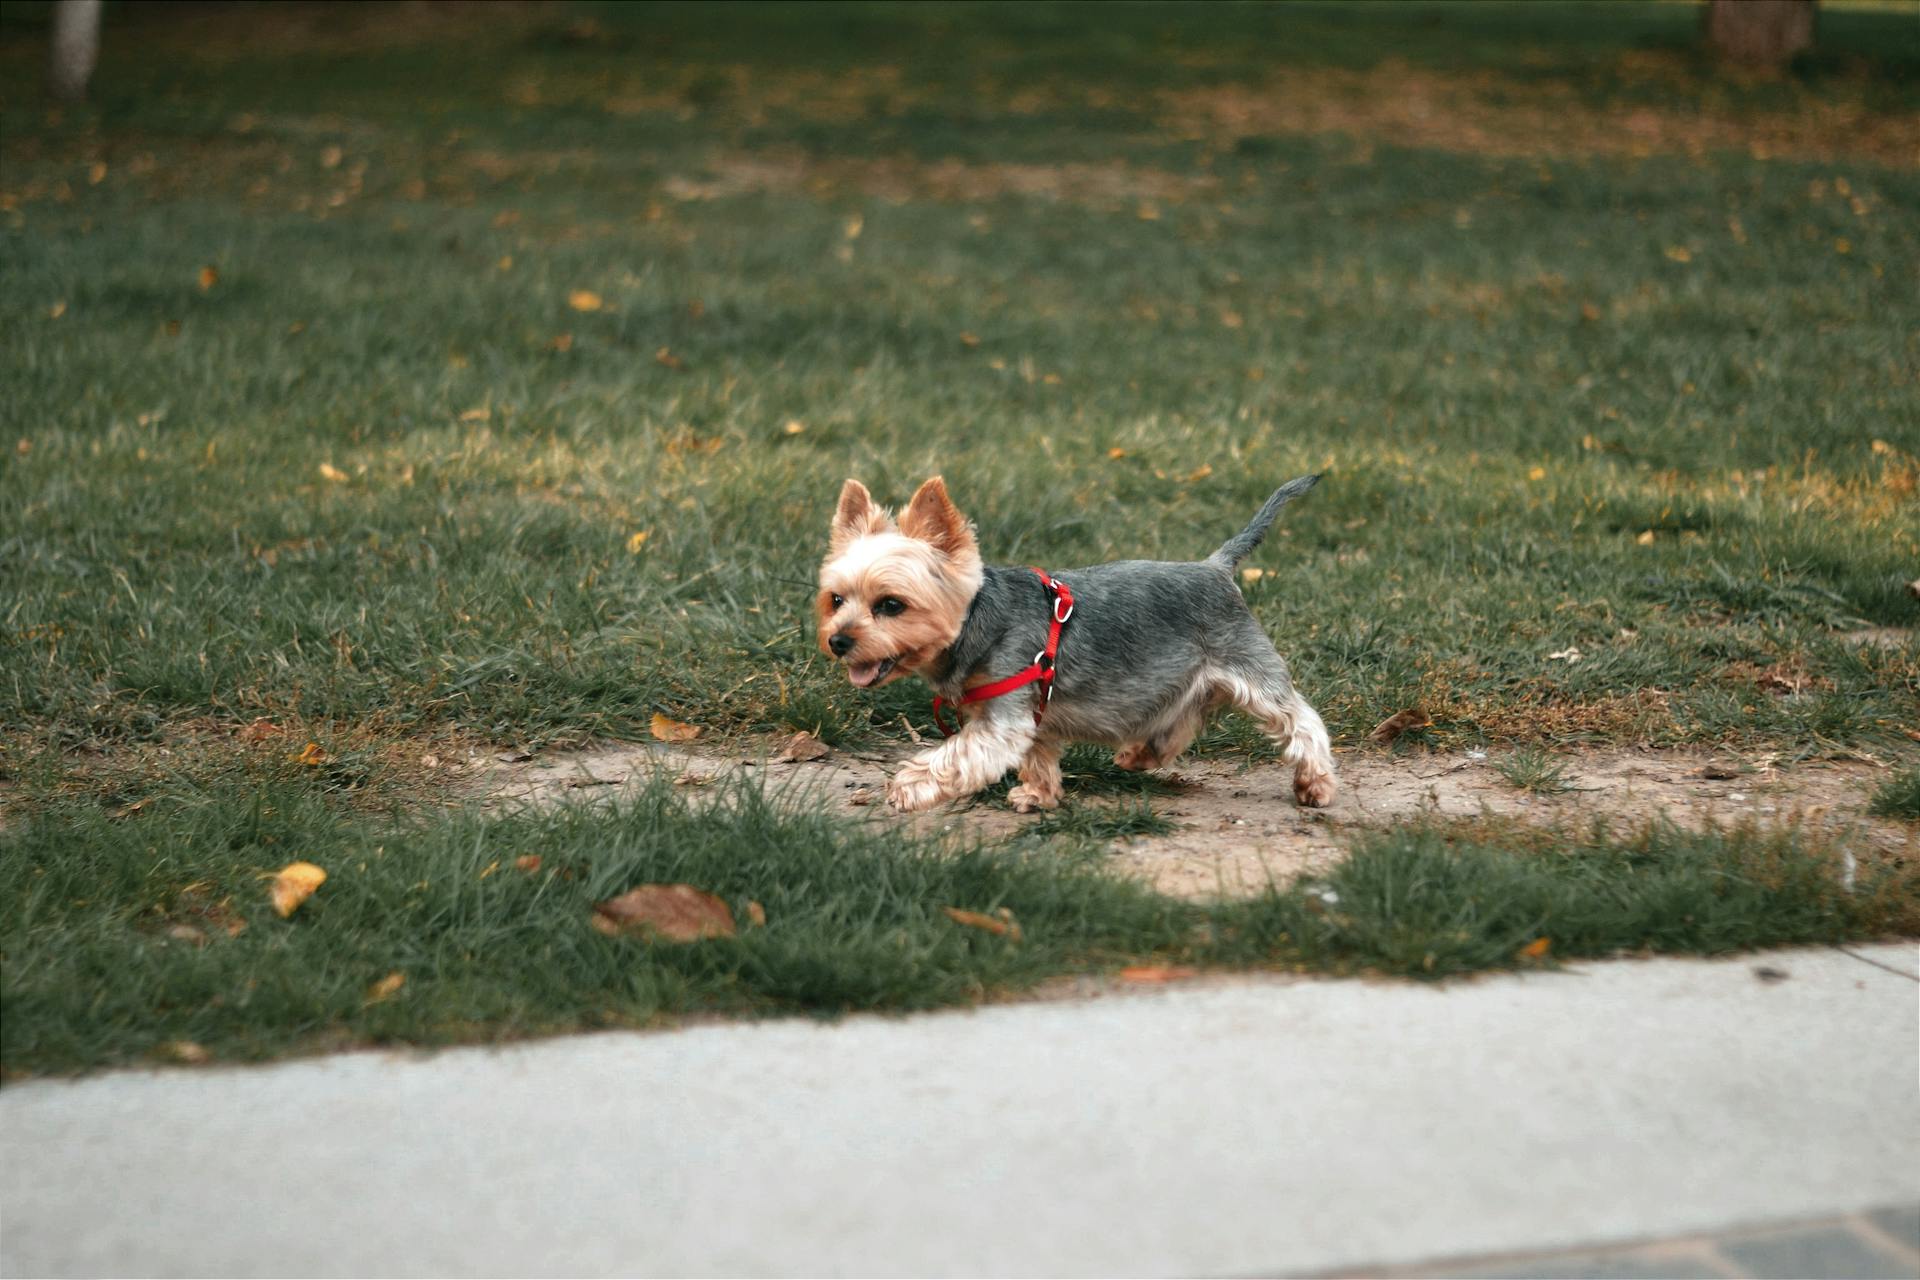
1236,827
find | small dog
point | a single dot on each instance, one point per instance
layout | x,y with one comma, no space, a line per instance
1149,649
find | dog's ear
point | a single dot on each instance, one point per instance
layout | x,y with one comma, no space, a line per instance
932,518
856,516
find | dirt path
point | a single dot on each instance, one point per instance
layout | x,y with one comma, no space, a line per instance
1235,824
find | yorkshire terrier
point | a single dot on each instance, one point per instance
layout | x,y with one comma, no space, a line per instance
1147,649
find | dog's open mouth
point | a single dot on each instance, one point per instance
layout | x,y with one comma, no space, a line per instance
865,675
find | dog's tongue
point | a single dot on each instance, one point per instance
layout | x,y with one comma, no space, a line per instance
864,674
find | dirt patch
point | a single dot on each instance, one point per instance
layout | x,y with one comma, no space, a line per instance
1235,826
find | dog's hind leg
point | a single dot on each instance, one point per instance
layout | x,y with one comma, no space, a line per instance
1040,785
1260,686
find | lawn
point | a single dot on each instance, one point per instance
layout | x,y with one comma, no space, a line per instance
402,380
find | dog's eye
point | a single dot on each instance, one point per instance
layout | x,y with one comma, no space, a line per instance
890,606
838,601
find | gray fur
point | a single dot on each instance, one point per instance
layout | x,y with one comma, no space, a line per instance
1241,544
1144,650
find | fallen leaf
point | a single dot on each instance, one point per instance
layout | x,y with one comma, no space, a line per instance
1398,723
756,914
794,426
667,730
57,310
1156,973
331,473
311,754
861,797
969,339
209,277
490,868
801,747
1200,472
386,986
854,226
1645,539
1568,655
1116,453
666,912
1536,949
584,300
1538,473
259,731
330,157
1679,253
188,1051
637,541
1252,575
562,342
527,862
294,884
96,173
481,414
1001,924
690,778
188,933
1589,312
1719,772
665,357
514,757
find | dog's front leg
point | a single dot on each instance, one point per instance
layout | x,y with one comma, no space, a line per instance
978,756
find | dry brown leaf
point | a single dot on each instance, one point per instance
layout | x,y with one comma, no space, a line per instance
1200,472
188,933
756,914
259,731
1116,453
861,797
529,862
1536,949
666,912
1156,973
561,342
793,427
480,414
1645,539
1000,923
311,754
209,277
386,986
585,300
187,1051
665,357
332,474
802,746
57,310
1398,723
668,730
1252,574
969,339
294,884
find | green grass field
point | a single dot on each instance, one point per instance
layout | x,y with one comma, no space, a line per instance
415,378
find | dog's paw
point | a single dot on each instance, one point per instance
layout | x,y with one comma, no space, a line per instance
913,789
1026,799
1314,791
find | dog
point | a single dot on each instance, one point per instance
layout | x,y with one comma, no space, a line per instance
1146,650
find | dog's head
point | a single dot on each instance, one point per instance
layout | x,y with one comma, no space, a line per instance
893,596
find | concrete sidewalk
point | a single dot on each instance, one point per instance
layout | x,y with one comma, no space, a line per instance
1265,1126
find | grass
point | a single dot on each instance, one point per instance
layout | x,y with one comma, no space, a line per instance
414,383
1899,795
1531,769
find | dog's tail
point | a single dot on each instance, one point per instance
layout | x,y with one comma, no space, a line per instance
1241,544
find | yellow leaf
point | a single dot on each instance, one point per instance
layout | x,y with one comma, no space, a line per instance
311,754
330,157
1252,574
1645,539
667,730
481,414
386,986
1679,253
1538,473
969,339
854,226
209,277
294,884
756,915
1001,922
666,359
527,862
584,300
505,263
1537,948
638,541
1200,472
794,426
97,173
1116,453
57,310
330,472
188,1051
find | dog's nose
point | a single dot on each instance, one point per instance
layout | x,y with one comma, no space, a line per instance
841,644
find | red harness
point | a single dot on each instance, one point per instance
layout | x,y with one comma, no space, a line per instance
1040,670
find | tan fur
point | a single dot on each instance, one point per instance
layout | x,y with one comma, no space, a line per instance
929,561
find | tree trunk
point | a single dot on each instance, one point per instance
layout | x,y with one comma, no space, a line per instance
76,43
1759,33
